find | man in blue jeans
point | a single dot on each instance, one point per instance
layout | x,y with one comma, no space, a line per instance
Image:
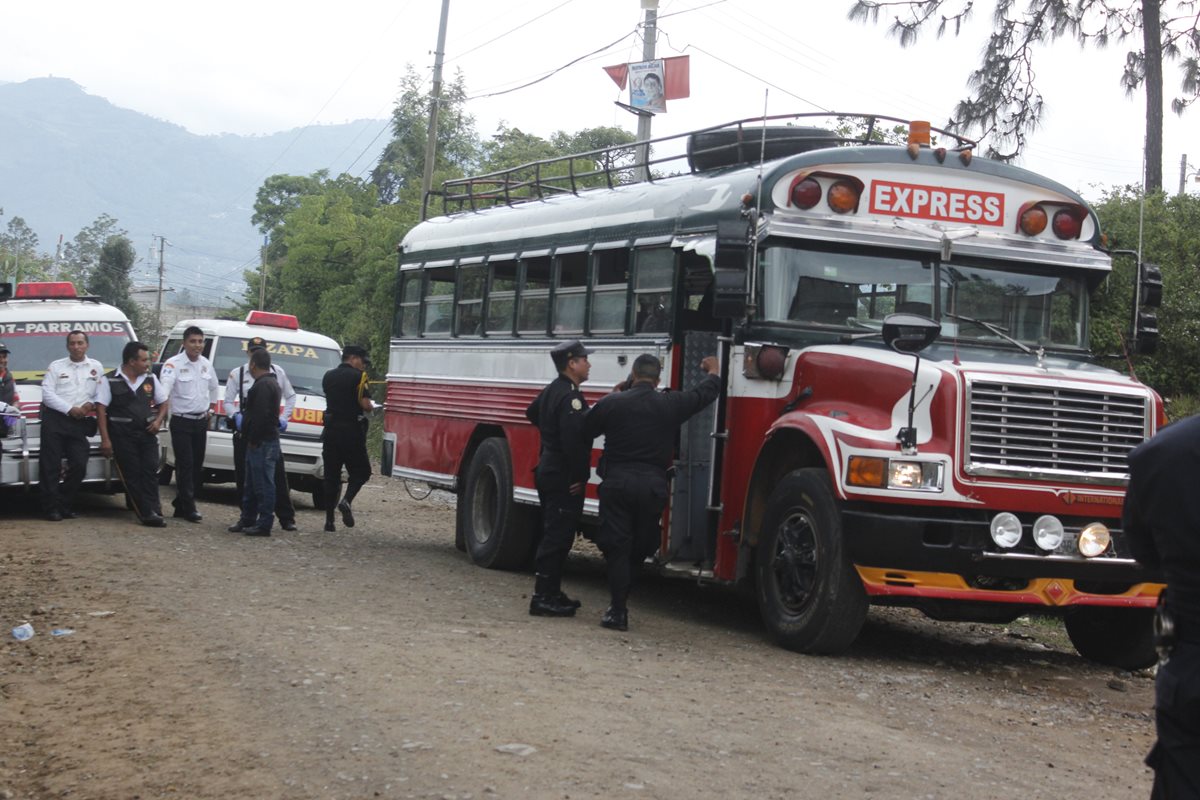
259,426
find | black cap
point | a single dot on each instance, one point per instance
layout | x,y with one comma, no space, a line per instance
3,348
356,350
564,352
257,343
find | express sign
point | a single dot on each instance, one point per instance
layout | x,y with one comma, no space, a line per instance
937,203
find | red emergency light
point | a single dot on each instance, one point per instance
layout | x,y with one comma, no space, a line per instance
45,289
273,320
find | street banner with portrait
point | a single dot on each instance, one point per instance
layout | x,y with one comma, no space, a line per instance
646,84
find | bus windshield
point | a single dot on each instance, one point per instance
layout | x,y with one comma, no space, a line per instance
857,290
33,351
305,366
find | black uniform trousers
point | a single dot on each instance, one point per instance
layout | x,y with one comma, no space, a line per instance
62,436
285,512
189,437
632,499
344,446
561,512
1176,755
136,452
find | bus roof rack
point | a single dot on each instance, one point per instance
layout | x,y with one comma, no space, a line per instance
735,143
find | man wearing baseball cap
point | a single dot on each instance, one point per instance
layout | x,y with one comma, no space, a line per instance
344,436
237,388
564,466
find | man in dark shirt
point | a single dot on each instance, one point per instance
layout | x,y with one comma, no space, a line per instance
8,391
260,429
564,466
1161,519
344,436
639,426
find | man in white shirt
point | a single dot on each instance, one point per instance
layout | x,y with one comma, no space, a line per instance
236,388
131,406
68,399
191,385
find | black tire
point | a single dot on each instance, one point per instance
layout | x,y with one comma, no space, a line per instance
494,528
318,496
165,472
810,597
1115,637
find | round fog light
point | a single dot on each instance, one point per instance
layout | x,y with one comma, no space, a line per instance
1047,532
1094,540
1006,529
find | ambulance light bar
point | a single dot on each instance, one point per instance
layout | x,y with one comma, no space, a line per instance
43,290
273,320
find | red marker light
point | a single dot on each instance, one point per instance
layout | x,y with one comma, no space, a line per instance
1033,221
273,320
1068,223
45,290
806,193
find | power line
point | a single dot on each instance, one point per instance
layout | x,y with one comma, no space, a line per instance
506,33
555,71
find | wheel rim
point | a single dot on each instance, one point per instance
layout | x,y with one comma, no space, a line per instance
794,563
484,506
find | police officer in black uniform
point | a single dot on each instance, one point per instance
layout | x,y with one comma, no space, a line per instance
561,476
639,426
131,406
344,436
8,390
1162,522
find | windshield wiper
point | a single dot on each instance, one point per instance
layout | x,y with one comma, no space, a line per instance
306,390
997,330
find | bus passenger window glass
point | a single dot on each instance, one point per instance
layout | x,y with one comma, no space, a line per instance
654,272
408,306
570,296
439,301
842,289
534,303
502,298
469,320
609,292
1032,306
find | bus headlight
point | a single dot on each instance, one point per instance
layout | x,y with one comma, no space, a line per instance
1094,540
887,473
1047,532
1006,529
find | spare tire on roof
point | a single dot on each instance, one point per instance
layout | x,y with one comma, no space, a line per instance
744,145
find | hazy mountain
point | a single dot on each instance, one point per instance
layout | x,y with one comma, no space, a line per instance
67,156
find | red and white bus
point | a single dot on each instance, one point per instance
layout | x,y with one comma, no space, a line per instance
980,481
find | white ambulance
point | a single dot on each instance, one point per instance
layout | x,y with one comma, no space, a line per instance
34,324
305,357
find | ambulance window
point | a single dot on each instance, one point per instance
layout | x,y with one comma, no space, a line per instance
534,302
439,301
173,347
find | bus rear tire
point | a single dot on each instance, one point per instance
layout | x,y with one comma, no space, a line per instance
1115,637
494,528
810,597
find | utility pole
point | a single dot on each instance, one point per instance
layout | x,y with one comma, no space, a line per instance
262,275
162,246
649,34
1182,172
435,100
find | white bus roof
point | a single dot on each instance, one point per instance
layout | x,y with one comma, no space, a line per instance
243,330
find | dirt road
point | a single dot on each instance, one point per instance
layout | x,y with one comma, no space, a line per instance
377,662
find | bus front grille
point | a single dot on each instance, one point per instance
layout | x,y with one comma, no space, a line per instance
1023,430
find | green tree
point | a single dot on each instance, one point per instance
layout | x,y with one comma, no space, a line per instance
110,279
81,255
19,257
1005,104
402,163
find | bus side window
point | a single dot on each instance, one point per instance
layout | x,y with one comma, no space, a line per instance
502,297
408,305
570,293
469,320
534,301
654,272
609,289
439,301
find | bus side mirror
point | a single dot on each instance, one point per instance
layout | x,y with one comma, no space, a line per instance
731,292
909,333
1145,323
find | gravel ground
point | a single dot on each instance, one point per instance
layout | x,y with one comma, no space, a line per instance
378,662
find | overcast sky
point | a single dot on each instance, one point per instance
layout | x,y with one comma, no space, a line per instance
261,66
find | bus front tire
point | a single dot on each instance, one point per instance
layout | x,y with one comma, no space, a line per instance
1115,637
810,597
495,530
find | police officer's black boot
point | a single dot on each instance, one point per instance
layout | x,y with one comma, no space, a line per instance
547,599
616,619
